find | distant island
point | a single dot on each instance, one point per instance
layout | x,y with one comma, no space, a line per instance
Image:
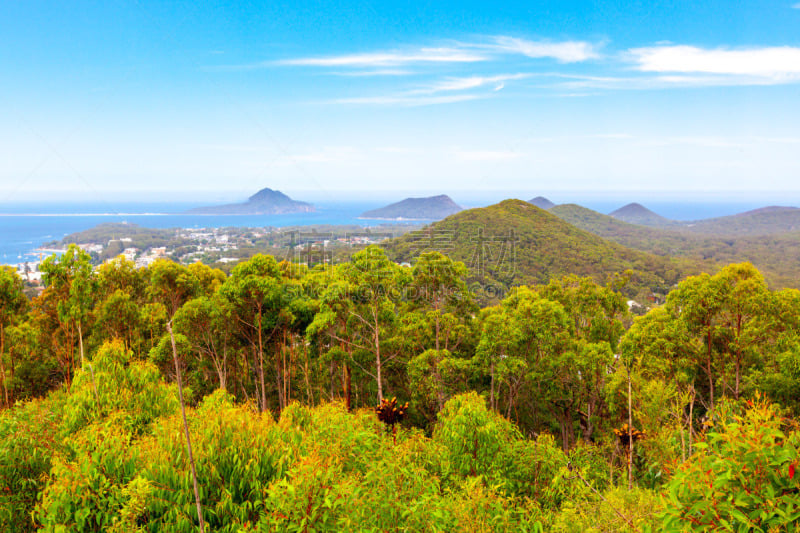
264,202
542,203
638,214
431,208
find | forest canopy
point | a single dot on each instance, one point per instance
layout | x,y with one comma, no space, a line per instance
553,409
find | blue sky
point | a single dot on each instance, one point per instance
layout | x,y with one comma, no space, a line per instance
320,99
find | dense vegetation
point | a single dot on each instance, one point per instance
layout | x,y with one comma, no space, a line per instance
552,410
515,243
762,238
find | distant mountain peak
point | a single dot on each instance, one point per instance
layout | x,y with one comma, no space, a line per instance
265,202
268,195
635,213
542,202
429,208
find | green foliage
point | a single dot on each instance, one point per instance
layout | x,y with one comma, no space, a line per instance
515,243
313,347
28,442
114,384
478,441
618,510
742,477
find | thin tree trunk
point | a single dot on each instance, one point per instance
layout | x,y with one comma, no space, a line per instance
186,429
630,433
378,363
491,393
683,437
261,365
3,365
708,367
348,393
80,341
691,421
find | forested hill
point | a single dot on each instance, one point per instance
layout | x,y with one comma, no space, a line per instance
776,255
773,220
659,241
765,221
515,243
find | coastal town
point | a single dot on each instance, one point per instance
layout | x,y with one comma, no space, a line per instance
219,247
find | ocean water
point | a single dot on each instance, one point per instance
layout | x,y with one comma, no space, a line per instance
26,226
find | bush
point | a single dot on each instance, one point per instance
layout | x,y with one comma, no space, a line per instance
742,477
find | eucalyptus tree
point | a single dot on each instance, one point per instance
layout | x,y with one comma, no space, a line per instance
256,297
496,342
361,309
730,317
120,274
12,304
206,323
171,284
436,321
73,283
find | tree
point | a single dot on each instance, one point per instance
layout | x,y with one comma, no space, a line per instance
72,279
436,320
364,304
206,322
254,292
171,284
12,304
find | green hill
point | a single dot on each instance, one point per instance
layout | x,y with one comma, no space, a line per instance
765,221
638,214
777,255
648,239
514,243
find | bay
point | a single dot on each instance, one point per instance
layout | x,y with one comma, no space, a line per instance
24,227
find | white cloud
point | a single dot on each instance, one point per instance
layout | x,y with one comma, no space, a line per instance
430,95
470,82
389,59
796,6
565,51
769,64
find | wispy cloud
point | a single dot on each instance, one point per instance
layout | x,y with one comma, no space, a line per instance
565,51
389,59
471,88
491,48
470,82
796,6
753,65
